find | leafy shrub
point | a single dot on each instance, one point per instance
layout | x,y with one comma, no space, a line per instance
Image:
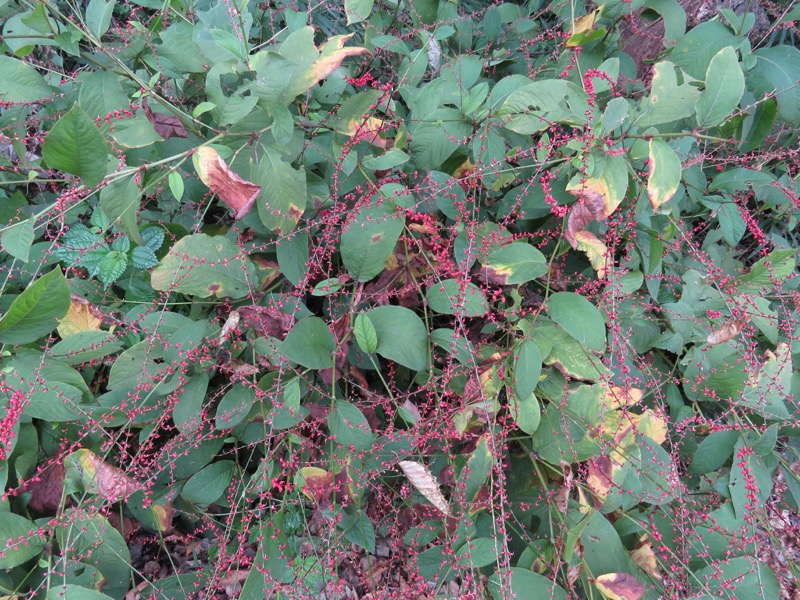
418,299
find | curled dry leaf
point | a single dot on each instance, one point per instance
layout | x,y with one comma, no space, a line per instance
727,332
167,126
98,477
238,194
421,478
644,556
619,586
596,251
591,207
230,324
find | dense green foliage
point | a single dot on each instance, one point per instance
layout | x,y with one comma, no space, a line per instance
472,287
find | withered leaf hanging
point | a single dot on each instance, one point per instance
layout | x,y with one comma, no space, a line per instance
237,193
167,126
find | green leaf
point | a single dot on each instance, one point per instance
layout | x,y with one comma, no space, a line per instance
70,591
112,266
75,145
694,52
120,201
143,257
758,124
282,200
359,530
724,89
713,452
137,132
310,344
766,389
210,483
366,334
740,578
527,368
580,318
515,263
19,545
477,469
292,253
202,265
527,413
357,10
402,336
187,413
526,584
21,82
349,426
453,297
479,552
18,238
83,346
668,101
98,16
664,173
777,71
175,181
35,312
770,269
388,160
568,355
369,239
234,406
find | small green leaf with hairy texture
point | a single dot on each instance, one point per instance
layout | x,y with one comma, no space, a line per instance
112,266
75,145
18,238
202,265
724,89
366,335
453,297
580,318
35,312
310,344
21,82
664,175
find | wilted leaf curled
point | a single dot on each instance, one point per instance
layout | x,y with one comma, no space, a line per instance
725,333
315,483
237,193
619,586
167,126
46,489
422,479
98,477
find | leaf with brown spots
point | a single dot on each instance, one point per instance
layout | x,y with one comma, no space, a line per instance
238,194
421,478
167,126
99,477
619,586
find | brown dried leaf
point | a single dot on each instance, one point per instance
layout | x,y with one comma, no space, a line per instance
81,316
167,126
230,324
619,586
315,483
46,489
589,209
727,332
98,477
238,194
266,320
421,478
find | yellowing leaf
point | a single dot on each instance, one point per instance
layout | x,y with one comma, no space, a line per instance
644,556
315,483
364,129
331,55
238,194
619,397
619,586
81,316
608,182
596,251
664,173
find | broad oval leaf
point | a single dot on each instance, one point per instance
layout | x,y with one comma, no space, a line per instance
35,312
664,173
526,584
580,318
202,265
75,145
515,263
724,89
310,344
209,483
453,297
21,82
349,426
402,336
366,335
20,541
527,368
369,239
